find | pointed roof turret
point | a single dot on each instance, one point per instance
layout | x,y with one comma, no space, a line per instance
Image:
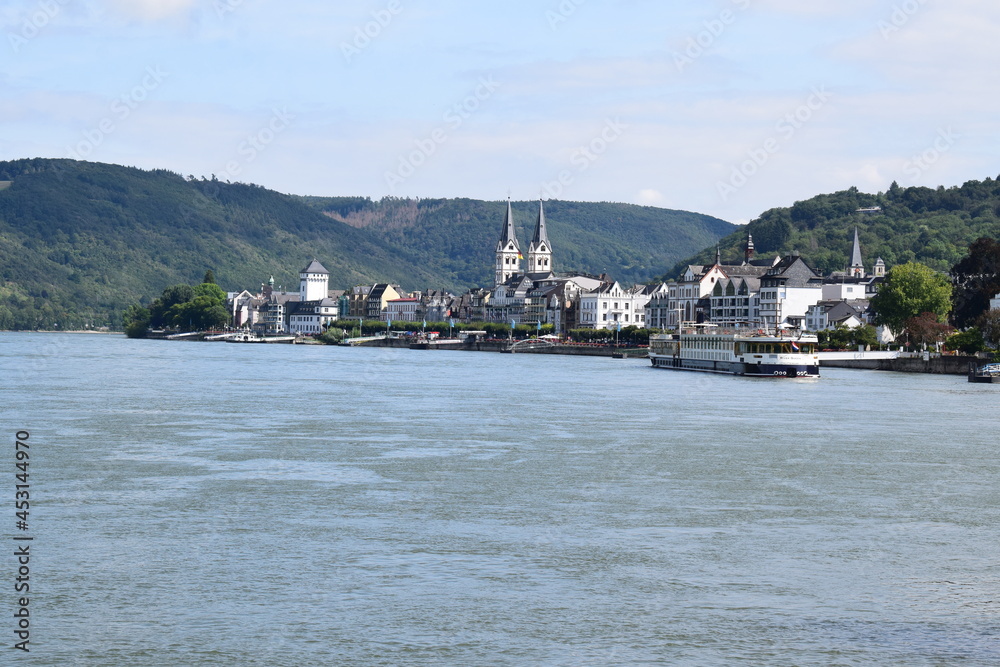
856,251
748,251
541,233
314,267
718,255
509,234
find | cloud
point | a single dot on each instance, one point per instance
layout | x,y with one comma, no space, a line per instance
152,10
650,197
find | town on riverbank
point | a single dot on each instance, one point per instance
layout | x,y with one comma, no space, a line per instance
883,315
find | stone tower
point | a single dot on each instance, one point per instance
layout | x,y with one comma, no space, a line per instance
540,250
314,282
508,252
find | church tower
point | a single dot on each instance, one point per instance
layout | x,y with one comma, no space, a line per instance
748,250
857,268
540,250
314,282
508,252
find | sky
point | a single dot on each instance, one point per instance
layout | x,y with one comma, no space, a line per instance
725,107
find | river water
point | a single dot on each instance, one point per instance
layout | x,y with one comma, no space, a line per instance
218,504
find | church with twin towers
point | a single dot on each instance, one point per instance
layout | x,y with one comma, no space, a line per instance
509,255
526,289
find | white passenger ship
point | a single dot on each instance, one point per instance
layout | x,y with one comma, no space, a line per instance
709,349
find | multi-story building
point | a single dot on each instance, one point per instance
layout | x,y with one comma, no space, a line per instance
402,310
787,291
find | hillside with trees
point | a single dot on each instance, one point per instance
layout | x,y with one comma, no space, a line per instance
934,227
633,244
81,241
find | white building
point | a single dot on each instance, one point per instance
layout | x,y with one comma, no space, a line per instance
315,310
611,306
787,291
401,310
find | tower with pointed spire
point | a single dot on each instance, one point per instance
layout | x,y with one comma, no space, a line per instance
540,250
857,268
748,251
508,253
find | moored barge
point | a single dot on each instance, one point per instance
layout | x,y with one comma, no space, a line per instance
756,353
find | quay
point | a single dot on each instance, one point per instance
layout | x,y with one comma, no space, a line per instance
528,346
900,362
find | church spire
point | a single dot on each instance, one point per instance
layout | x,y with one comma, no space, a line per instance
541,234
540,250
857,269
508,252
508,235
748,252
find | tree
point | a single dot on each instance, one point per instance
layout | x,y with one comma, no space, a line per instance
171,296
969,341
209,277
908,291
865,336
211,290
201,313
926,329
136,321
977,280
989,326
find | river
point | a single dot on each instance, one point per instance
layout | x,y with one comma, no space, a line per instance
220,504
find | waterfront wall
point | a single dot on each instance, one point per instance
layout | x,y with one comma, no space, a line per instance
503,346
936,364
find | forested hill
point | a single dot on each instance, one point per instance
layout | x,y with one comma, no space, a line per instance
81,241
931,226
457,237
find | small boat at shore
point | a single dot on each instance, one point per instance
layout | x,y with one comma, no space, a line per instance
708,349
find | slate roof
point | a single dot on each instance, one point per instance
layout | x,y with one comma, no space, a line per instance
856,251
508,233
541,233
315,267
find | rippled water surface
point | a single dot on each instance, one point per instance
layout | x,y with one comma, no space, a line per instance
224,504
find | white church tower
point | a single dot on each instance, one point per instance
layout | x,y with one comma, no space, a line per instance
314,282
508,252
540,250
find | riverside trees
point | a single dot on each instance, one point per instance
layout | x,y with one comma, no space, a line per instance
909,291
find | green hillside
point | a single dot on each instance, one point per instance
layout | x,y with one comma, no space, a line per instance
458,236
81,241
934,227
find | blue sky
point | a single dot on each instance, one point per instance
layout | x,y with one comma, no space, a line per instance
726,107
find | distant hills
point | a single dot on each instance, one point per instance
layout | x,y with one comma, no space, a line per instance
931,226
80,241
